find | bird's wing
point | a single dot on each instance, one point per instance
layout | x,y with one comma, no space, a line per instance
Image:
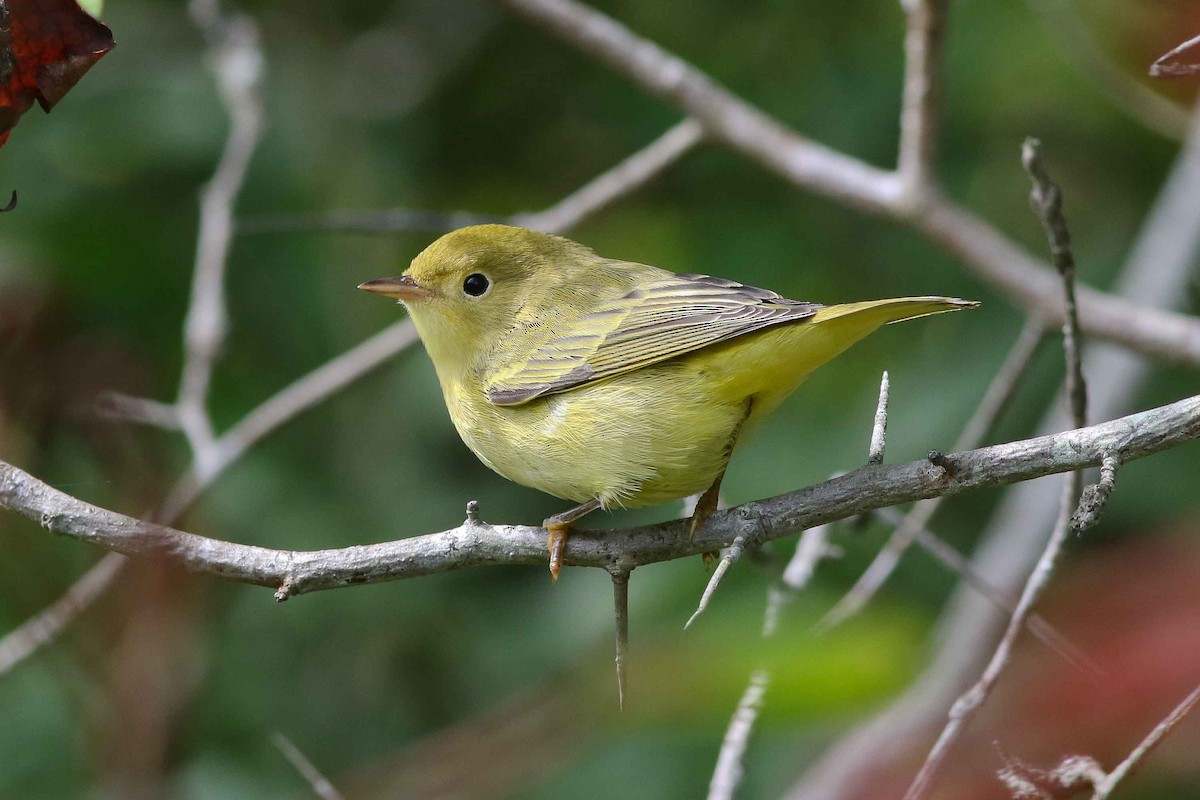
659,320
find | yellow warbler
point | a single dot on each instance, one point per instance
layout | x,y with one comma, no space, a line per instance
606,382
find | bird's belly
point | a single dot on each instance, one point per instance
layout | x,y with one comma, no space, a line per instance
646,437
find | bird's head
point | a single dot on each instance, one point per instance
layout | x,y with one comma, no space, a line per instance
465,291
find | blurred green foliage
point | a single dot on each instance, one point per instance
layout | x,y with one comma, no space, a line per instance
450,105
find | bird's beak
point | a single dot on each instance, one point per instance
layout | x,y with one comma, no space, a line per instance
401,288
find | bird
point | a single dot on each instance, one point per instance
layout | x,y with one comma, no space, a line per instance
610,383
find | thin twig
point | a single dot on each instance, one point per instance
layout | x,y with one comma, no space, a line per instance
237,64
995,400
728,773
597,194
1046,200
729,120
321,786
41,629
957,563
303,394
879,428
1155,271
1129,95
1160,68
1147,745
922,96
812,546
626,177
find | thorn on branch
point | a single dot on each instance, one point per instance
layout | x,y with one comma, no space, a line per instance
472,512
879,429
940,459
620,579
284,591
732,554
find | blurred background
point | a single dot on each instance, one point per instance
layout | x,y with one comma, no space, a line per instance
493,682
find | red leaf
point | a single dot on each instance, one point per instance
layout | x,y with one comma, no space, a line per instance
45,48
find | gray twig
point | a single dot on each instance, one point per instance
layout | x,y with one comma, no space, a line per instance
1157,267
1046,200
731,121
957,563
1129,95
923,49
237,63
879,428
597,194
995,400
728,773
1162,66
1076,773
1129,438
321,786
42,628
1147,745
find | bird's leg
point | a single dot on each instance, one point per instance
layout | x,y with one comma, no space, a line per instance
559,527
706,505
708,501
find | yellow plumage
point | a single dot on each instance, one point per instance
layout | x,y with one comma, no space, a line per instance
594,379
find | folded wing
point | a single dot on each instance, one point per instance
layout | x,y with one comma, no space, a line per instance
657,321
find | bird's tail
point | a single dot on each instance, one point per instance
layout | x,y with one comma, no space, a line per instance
895,309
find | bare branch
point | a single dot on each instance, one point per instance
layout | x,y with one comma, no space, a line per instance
957,563
602,191
1155,272
1046,200
305,393
1147,745
1162,67
728,773
725,117
995,399
1138,102
625,178
320,784
922,96
866,489
142,410
20,643
731,121
237,64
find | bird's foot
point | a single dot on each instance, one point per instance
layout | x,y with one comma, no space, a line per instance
556,543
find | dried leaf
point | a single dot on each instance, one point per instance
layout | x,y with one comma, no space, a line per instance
45,48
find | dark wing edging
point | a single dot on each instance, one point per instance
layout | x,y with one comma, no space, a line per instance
653,323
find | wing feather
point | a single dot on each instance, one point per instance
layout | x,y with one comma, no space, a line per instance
655,322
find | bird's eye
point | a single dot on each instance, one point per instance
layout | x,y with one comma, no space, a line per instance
476,284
